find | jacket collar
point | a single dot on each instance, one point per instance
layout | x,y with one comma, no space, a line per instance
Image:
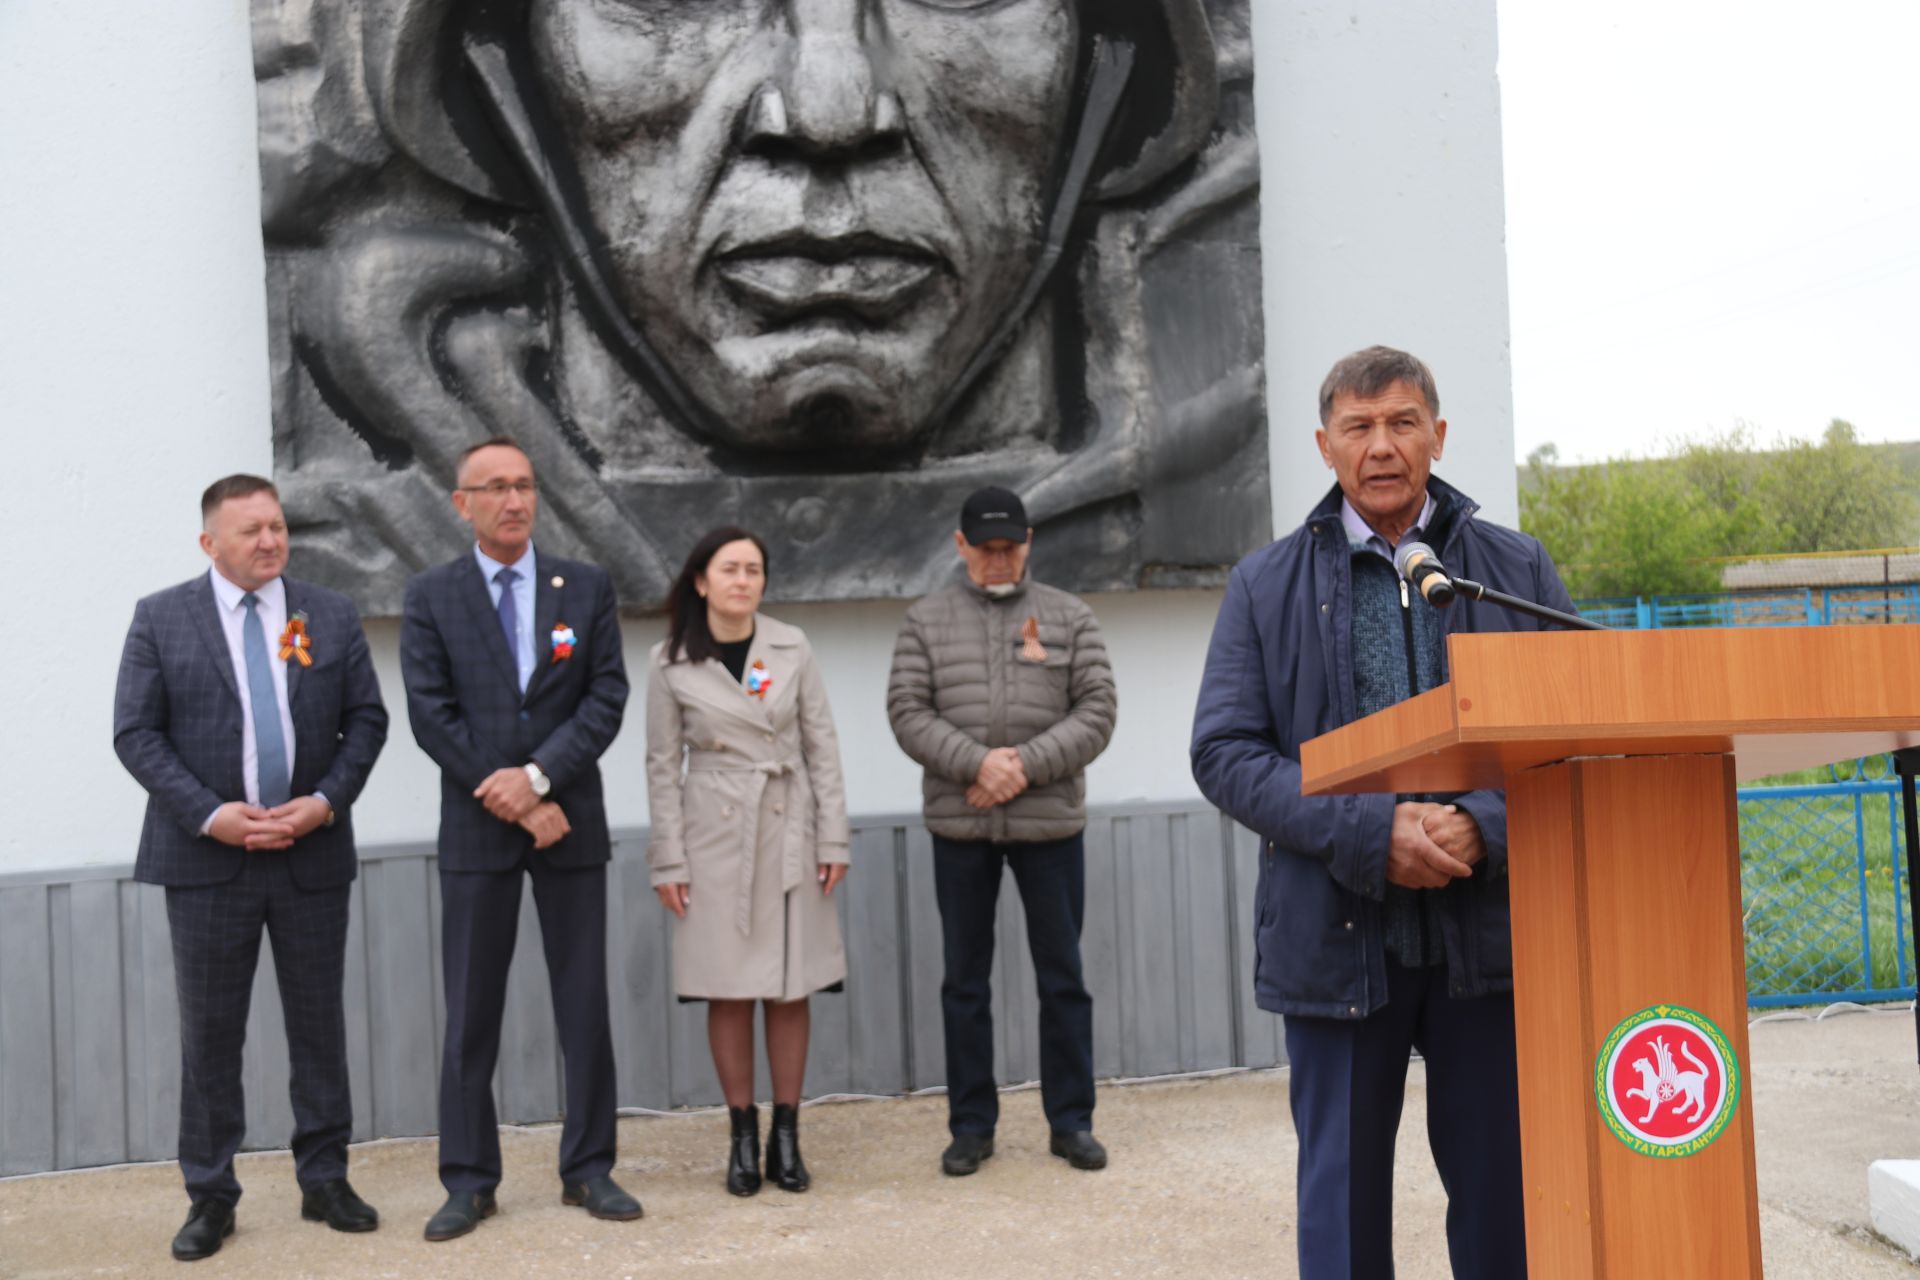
979,592
1451,511
775,644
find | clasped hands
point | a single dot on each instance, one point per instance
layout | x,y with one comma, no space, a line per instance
251,827
1002,776
508,795
1433,845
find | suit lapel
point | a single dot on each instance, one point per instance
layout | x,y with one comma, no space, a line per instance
206,615
474,594
546,612
759,652
296,601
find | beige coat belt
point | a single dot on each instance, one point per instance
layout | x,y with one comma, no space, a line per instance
793,842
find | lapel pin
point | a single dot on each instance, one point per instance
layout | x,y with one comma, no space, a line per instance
563,640
294,641
558,582
759,680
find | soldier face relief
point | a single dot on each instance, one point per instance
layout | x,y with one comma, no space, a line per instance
816,211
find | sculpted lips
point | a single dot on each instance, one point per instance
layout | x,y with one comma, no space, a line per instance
870,277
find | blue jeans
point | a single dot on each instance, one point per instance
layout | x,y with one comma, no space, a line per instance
1052,879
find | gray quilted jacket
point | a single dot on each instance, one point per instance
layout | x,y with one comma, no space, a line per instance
963,683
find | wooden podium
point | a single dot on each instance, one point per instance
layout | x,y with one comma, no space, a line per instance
1619,752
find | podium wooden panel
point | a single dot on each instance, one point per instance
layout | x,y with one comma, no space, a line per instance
1620,752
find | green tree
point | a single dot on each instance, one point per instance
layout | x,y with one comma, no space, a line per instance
1622,528
1657,526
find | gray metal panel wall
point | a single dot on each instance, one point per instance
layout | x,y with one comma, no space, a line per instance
90,1038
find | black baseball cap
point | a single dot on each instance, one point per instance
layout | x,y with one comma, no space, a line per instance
993,513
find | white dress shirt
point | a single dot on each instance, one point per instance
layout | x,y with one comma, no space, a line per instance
522,604
229,601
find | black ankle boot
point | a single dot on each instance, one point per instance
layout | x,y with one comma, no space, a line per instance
743,1153
784,1165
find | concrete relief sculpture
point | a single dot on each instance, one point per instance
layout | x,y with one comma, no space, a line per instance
820,267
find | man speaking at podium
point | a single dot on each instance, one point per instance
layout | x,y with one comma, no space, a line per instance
1381,921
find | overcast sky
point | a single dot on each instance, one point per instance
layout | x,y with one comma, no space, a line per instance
1713,214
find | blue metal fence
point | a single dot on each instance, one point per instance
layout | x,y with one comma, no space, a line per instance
1823,881
1796,607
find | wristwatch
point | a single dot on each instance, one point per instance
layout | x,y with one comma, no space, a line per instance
538,778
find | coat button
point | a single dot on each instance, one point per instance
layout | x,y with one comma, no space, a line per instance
1269,846
779,808
1349,925
1323,606
1353,1011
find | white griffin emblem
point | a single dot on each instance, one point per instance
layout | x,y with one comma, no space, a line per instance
1666,1083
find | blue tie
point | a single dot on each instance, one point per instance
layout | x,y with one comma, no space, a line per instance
270,743
510,617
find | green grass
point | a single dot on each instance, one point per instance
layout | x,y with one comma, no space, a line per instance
1802,885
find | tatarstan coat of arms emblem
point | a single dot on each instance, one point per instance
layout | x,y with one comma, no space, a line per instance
1667,1081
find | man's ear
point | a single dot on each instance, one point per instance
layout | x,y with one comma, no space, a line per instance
959,542
1326,455
1439,437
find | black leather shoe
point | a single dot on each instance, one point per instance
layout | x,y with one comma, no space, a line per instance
1079,1150
336,1204
208,1223
964,1154
460,1214
784,1165
603,1198
743,1151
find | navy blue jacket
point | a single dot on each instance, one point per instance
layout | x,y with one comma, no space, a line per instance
177,727
1278,673
468,713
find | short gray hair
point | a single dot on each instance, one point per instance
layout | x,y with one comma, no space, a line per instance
1369,372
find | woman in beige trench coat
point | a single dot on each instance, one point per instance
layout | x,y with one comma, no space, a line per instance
749,834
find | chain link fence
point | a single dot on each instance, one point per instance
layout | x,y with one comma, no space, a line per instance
1823,887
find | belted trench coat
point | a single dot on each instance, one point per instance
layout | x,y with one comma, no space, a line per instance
747,802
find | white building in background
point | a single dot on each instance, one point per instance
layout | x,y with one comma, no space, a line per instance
133,370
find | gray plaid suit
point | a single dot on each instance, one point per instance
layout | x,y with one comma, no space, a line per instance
177,727
469,714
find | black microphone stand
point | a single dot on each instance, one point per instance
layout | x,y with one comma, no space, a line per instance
1475,591
1906,761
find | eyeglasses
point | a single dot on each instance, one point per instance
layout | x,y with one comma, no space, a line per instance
500,488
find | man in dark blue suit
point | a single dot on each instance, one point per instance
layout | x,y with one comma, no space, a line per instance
515,686
248,708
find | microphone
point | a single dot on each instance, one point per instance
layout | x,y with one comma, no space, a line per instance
1417,563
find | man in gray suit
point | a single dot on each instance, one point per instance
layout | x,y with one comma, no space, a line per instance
248,708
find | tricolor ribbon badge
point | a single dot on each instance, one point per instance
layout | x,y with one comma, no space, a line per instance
759,679
295,642
563,642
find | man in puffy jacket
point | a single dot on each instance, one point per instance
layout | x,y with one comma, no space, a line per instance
1381,922
1001,691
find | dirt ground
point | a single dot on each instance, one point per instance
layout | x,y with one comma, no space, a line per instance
1201,1184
